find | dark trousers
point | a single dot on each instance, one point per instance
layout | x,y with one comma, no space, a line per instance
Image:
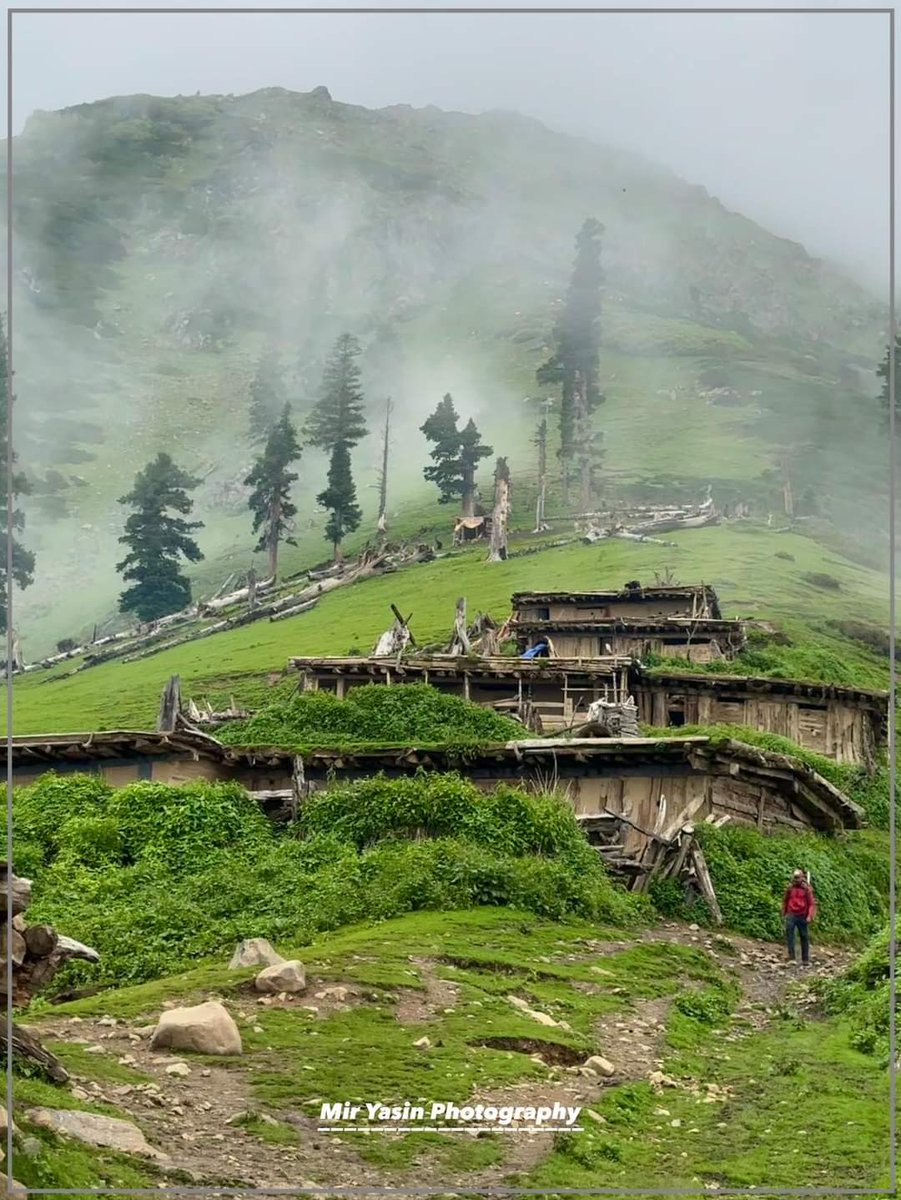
795,923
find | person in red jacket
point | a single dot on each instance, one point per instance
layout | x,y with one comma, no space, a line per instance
798,910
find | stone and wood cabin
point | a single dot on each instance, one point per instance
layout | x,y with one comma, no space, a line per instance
653,785
549,695
545,694
675,622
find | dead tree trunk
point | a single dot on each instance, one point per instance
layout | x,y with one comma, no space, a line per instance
501,514
170,706
541,443
251,590
383,475
584,442
396,639
275,518
787,497
460,643
35,953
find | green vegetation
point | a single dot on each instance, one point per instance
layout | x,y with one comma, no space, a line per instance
158,876
455,454
863,995
372,715
750,872
271,480
799,1074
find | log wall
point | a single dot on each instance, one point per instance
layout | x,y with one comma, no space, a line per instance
832,727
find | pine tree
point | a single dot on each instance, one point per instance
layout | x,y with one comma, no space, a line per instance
268,396
158,541
22,559
573,365
340,499
882,372
441,429
472,451
455,455
338,417
271,480
336,424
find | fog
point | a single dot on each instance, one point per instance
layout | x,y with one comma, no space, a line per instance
782,116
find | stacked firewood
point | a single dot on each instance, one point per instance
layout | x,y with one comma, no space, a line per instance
36,953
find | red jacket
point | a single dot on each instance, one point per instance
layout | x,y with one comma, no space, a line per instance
799,901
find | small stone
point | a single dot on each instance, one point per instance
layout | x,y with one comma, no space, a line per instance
335,992
254,952
595,1116
423,1044
282,977
178,1068
602,1066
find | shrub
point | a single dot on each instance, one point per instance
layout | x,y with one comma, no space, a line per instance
375,714
750,872
864,995
157,876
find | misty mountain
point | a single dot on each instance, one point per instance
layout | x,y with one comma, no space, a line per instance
161,244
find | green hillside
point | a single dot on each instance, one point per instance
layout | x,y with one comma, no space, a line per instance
160,243
758,574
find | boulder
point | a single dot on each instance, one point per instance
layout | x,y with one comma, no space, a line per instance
9,1187
254,952
204,1028
96,1130
282,977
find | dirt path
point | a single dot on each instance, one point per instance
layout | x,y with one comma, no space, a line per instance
195,1117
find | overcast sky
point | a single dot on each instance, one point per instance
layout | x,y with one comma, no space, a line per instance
783,117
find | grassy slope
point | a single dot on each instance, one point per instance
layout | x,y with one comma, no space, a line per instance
742,564
797,1075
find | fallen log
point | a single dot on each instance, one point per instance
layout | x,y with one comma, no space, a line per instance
295,611
30,956
26,1046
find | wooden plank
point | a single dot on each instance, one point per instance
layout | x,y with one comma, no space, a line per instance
700,865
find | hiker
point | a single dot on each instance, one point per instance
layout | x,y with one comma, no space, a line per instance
798,910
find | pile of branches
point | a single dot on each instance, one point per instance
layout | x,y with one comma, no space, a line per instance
642,523
36,953
168,632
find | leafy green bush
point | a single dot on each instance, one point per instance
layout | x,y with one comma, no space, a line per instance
709,1006
864,994
750,872
372,715
156,876
510,821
